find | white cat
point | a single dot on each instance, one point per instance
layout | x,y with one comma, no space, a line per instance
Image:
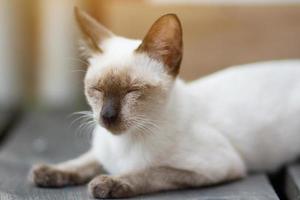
156,132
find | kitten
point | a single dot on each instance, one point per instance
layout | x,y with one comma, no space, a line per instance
158,133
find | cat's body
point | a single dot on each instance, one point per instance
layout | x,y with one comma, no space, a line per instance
261,124
155,132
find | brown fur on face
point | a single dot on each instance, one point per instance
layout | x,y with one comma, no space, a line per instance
130,91
132,95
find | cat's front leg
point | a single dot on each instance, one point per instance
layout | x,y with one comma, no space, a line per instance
72,172
150,180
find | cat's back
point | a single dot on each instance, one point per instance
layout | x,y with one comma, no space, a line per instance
254,73
266,86
263,83
257,106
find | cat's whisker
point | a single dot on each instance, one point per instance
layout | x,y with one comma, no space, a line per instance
85,119
84,129
149,119
83,71
89,127
81,113
145,121
77,60
81,118
141,124
160,120
84,124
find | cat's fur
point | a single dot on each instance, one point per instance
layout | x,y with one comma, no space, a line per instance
168,134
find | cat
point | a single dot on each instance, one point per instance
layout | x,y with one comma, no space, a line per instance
155,132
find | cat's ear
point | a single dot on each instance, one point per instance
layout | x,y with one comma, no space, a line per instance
93,32
163,42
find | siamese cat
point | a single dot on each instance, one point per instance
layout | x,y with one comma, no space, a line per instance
156,132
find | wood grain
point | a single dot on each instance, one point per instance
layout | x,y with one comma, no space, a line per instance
7,119
3,121
14,185
48,137
293,182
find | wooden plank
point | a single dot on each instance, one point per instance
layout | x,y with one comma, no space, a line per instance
7,120
293,182
48,138
255,187
4,120
39,137
14,185
45,138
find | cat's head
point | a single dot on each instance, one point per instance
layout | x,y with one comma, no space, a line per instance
128,82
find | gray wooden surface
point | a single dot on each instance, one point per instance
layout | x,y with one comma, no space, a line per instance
4,120
45,138
293,182
255,187
15,185
49,138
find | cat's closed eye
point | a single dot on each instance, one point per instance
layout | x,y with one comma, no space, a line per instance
133,90
98,89
95,92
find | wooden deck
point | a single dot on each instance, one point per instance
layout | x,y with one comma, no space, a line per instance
48,137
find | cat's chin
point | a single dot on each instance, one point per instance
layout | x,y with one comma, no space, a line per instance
115,130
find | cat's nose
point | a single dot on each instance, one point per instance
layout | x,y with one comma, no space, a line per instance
109,114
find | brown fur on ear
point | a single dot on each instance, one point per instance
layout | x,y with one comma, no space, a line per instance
164,42
94,33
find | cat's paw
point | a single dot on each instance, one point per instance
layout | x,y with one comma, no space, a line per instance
48,176
104,186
